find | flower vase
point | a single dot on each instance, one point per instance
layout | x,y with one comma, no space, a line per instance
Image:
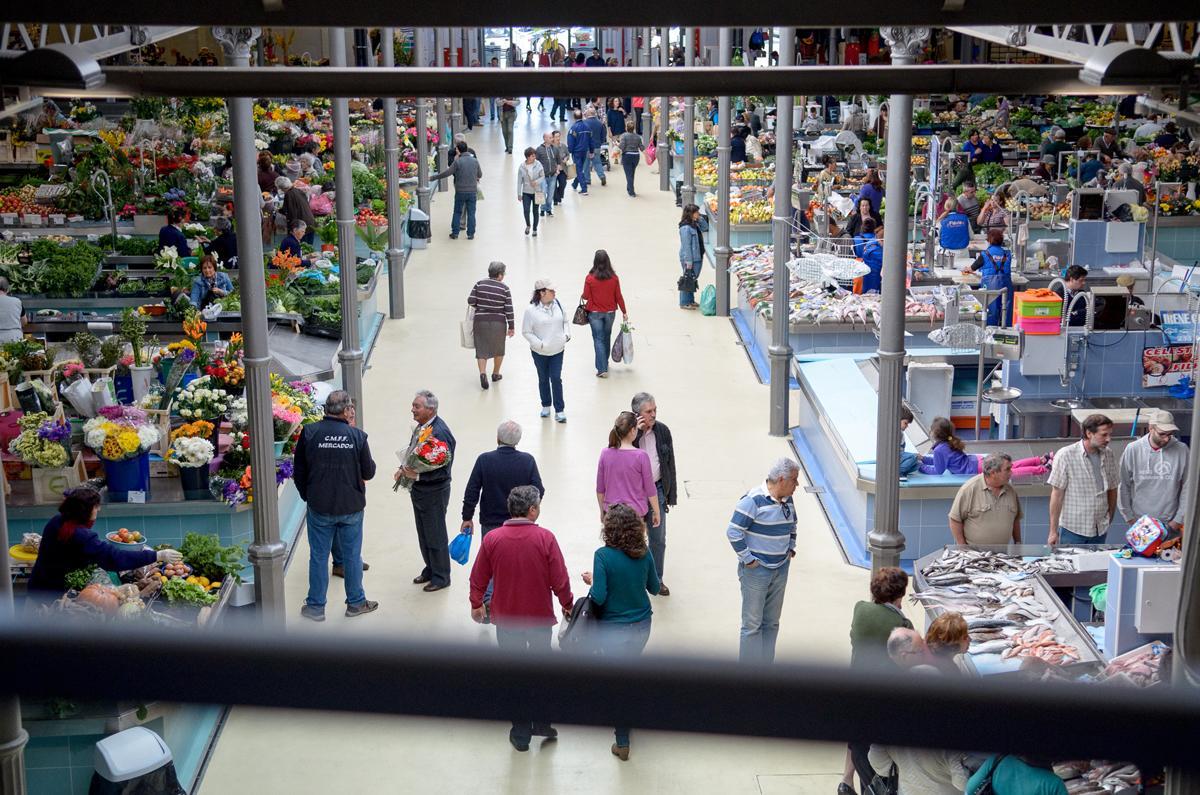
1191,191
142,377
187,379
195,482
279,448
130,475
123,385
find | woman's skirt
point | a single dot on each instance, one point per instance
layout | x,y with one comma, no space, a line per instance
490,334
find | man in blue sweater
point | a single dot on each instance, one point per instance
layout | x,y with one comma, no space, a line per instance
495,474
599,136
581,147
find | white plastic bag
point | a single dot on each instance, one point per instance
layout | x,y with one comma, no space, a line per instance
78,393
627,343
103,394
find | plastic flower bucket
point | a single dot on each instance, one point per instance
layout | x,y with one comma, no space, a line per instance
194,481
122,477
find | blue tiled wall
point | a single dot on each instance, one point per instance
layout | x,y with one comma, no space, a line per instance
63,765
1113,368
1181,244
1089,245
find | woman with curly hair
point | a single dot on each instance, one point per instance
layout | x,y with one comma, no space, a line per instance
622,574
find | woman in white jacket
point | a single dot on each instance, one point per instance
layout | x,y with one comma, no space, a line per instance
546,327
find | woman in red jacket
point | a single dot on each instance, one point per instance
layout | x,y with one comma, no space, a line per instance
601,296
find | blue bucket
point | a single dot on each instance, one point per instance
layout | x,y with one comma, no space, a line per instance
122,477
123,384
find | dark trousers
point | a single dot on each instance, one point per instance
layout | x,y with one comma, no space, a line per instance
429,508
560,187
549,372
560,108
629,162
532,641
527,202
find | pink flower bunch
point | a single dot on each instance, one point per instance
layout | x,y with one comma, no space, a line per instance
124,415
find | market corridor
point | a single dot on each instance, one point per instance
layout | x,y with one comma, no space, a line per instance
706,392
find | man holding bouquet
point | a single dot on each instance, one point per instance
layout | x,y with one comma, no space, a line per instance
425,472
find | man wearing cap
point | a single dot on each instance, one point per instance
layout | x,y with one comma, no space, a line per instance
1153,471
1127,281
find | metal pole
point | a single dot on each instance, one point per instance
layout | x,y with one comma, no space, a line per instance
267,552
664,112
780,351
350,355
391,144
885,540
443,146
421,56
453,37
722,249
688,191
13,736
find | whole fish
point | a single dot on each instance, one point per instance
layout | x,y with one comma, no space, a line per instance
990,647
989,623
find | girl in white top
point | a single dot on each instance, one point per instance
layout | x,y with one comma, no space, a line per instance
546,327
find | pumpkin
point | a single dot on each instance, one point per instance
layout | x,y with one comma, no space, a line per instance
102,597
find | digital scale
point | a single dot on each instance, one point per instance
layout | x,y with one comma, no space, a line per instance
1004,343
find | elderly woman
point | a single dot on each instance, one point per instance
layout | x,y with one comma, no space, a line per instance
493,321
210,285
295,207
224,245
12,314
947,639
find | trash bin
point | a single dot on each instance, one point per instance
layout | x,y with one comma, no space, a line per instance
134,762
418,228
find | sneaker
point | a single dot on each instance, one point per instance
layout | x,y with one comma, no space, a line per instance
603,181
470,237
526,230
584,192
602,375
454,235
560,417
545,412
549,214
361,609
535,233
313,613
621,752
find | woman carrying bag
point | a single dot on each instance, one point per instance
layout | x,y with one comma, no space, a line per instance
492,321
531,180
601,298
545,327
691,254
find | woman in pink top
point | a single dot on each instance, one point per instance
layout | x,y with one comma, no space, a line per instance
623,475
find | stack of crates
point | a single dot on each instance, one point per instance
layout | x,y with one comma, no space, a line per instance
1038,312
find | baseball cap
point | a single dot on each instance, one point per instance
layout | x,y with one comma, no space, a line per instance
1165,421
544,284
1125,280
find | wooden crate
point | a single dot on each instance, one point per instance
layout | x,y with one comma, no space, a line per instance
160,418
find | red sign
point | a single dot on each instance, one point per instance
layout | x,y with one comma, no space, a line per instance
1165,366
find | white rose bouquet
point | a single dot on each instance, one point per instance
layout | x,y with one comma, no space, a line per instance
200,400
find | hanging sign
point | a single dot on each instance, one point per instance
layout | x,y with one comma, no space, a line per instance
1166,365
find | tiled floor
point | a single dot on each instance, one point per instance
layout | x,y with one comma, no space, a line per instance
718,414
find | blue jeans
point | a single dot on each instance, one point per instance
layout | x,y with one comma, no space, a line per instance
629,162
463,200
909,463
762,604
322,529
623,641
1081,597
549,372
525,640
602,326
582,168
548,189
598,163
688,298
657,533
492,108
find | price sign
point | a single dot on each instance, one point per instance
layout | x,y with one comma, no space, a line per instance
136,496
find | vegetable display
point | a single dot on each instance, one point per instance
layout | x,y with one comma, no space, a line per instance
209,559
177,590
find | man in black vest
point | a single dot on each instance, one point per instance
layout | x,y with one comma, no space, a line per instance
655,439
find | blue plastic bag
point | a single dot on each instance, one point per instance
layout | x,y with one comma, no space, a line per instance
708,301
460,548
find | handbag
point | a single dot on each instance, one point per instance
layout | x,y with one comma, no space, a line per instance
688,283
581,315
578,633
618,349
651,153
539,197
466,329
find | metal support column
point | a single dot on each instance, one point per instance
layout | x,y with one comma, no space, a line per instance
722,249
453,40
688,191
350,356
885,541
267,552
391,146
443,145
421,56
664,111
13,736
780,351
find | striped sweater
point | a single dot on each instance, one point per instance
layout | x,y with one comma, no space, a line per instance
763,528
492,301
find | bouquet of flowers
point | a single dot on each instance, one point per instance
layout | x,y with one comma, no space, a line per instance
200,400
227,370
42,442
191,451
239,414
428,454
286,417
200,429
119,433
239,488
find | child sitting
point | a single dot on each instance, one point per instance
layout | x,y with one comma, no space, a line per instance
949,456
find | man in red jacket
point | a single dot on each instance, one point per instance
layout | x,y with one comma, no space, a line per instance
525,565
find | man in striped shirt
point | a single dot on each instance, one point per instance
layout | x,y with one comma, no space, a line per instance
763,534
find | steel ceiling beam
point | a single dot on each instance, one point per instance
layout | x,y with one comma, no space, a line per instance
615,13
200,81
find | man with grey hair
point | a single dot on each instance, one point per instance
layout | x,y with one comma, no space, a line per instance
332,465
495,474
1126,181
526,565
12,314
430,493
654,438
763,534
986,509
599,135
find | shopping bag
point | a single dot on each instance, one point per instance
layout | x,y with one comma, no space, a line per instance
569,169
104,394
79,394
466,329
627,343
708,301
651,152
539,197
460,548
618,349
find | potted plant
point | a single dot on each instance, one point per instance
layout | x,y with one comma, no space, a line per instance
192,454
121,437
133,331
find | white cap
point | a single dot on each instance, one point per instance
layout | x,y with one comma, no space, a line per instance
544,284
1165,421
